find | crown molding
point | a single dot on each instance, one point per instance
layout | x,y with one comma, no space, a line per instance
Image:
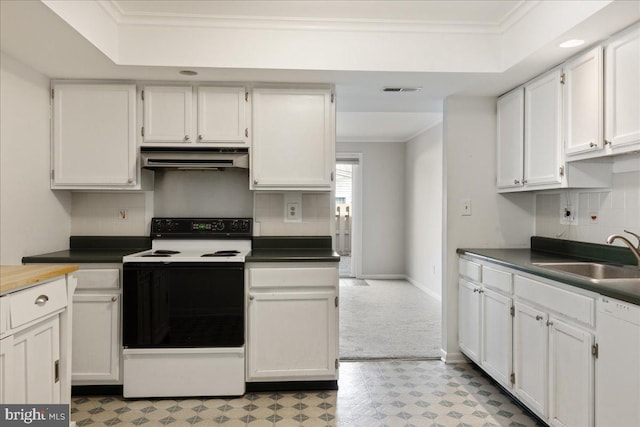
315,24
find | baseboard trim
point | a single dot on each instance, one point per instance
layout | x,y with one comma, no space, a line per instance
291,386
423,288
382,276
453,358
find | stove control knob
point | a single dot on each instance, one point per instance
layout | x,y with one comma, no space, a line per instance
220,226
244,226
234,225
168,225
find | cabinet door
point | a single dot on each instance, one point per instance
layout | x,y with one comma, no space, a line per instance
293,139
531,343
571,391
496,336
7,389
622,90
583,102
96,338
469,319
222,114
292,335
168,114
543,130
510,139
35,367
94,140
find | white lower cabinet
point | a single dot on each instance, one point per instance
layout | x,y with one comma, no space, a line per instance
35,367
469,319
530,353
292,322
97,342
537,337
96,348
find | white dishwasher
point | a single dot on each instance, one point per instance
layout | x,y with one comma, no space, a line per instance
618,364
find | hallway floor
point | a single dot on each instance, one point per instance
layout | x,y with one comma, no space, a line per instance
381,319
371,394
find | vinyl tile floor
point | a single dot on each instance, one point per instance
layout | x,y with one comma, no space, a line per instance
377,393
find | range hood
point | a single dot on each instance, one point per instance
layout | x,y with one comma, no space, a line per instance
194,158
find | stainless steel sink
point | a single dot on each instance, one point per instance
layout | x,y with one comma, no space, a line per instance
596,272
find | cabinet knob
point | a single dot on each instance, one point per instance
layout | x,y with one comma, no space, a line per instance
186,137
255,181
593,144
524,181
251,297
114,299
41,300
480,291
515,181
129,181
607,142
538,317
200,137
549,323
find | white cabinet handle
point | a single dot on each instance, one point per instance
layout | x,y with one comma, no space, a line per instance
41,300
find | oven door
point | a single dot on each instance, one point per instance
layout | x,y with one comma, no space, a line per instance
174,305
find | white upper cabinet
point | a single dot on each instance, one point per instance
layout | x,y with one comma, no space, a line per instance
510,139
583,80
543,130
293,144
168,114
93,136
622,91
221,115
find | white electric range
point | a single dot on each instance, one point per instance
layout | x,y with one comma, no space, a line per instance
183,309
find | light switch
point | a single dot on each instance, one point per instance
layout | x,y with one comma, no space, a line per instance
465,207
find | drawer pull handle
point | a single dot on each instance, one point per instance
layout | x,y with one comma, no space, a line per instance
42,300
538,317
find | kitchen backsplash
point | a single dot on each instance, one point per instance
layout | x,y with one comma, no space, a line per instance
111,214
203,193
594,214
315,219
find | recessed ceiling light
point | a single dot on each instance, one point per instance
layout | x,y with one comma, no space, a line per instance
189,73
572,43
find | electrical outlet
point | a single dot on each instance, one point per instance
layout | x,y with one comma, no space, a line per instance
465,207
292,207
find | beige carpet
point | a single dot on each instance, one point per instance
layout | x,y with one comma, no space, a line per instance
382,319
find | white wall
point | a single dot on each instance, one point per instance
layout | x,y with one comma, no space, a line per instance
33,219
423,210
497,221
383,207
616,208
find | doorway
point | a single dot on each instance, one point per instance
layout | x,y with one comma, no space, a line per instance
347,213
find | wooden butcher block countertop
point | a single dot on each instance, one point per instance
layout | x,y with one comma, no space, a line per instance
16,277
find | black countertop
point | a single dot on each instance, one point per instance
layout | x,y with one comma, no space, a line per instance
93,249
286,249
543,251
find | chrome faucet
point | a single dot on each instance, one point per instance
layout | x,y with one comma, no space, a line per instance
635,250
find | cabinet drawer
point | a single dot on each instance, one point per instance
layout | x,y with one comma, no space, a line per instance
497,279
470,269
23,307
99,278
569,304
293,277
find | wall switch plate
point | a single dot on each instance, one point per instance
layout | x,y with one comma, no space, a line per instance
465,207
293,207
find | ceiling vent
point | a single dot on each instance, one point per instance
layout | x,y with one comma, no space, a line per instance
401,89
